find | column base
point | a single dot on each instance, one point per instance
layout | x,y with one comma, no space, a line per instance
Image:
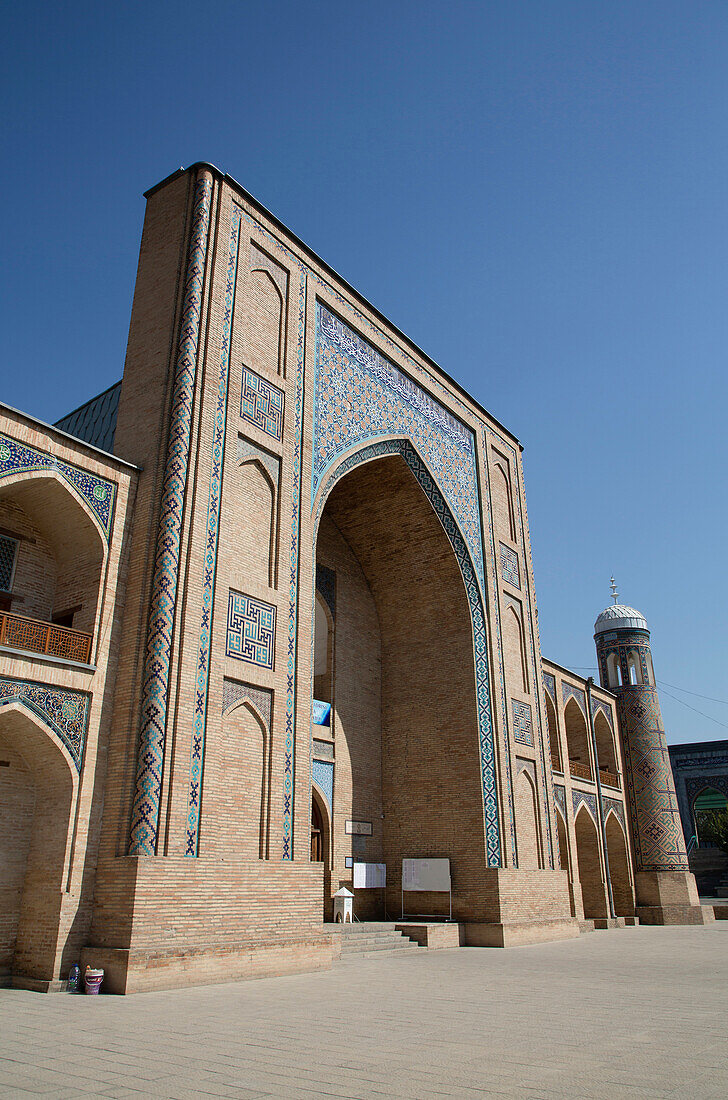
668,897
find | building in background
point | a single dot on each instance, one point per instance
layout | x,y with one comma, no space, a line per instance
286,626
701,783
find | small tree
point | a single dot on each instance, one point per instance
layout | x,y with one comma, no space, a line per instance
714,827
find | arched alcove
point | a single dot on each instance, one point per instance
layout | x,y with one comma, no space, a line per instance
38,785
258,504
503,503
553,731
577,738
265,334
514,648
619,867
526,810
323,662
406,705
57,573
606,750
634,671
614,670
590,872
237,783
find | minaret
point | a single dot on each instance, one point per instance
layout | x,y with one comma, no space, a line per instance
665,888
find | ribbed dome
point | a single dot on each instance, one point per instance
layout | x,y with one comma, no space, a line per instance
620,617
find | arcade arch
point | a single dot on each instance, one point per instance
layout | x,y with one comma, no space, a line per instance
52,602
577,738
38,785
590,870
619,867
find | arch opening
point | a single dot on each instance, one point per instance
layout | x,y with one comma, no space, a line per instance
606,751
707,802
577,740
619,867
50,604
37,794
405,720
614,671
593,893
237,780
553,732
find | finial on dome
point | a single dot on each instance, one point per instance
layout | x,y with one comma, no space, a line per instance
615,593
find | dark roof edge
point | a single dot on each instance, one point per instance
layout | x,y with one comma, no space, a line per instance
85,403
575,676
67,435
692,746
332,271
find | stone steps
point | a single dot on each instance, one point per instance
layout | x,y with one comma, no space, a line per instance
369,937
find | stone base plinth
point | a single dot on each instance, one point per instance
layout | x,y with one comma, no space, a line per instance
668,897
518,933
129,971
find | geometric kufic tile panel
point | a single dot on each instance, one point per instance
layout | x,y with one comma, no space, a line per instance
251,629
66,712
522,722
510,571
262,404
361,395
233,692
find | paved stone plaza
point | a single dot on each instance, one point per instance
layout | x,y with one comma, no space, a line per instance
634,1013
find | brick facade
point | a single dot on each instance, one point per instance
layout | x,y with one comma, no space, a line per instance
276,435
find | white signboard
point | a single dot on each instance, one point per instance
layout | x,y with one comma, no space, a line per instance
370,876
431,875
358,828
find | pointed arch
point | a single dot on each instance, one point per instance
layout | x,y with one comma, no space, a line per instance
553,732
577,738
514,647
589,862
503,501
267,326
261,497
634,669
614,670
526,811
404,447
323,650
619,866
564,856
36,834
237,779
606,748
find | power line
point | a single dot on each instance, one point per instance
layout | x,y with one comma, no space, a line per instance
695,709
697,694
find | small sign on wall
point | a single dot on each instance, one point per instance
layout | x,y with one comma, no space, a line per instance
358,828
321,713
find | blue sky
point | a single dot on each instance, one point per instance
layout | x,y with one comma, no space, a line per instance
535,193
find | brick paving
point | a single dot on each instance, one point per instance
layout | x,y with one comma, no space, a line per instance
637,1013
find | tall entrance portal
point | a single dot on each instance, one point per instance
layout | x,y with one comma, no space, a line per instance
403,730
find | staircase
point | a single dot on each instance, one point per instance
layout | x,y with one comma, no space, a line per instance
363,938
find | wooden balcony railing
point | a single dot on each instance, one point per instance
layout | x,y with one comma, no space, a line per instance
580,771
33,634
609,779
556,763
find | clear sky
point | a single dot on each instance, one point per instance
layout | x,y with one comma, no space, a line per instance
536,193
